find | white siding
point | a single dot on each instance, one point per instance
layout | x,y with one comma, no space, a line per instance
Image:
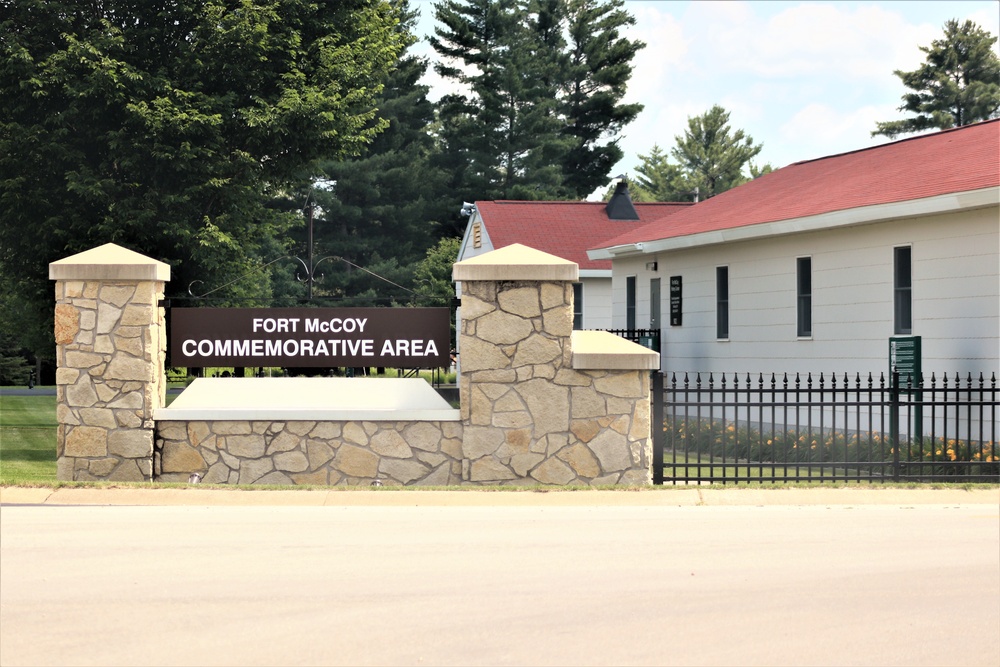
956,298
596,303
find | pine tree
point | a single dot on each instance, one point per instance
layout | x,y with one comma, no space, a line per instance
711,159
382,207
711,155
540,110
658,179
958,84
598,72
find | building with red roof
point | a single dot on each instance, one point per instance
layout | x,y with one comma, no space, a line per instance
566,229
813,267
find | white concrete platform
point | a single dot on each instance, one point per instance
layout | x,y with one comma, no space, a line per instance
316,399
605,351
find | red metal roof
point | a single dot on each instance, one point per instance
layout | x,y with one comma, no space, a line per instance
565,229
956,160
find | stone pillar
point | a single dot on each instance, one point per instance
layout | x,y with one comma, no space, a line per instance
110,352
532,411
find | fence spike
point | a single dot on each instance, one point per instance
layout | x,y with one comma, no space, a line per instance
785,381
774,381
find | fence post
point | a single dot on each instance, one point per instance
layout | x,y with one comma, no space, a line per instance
894,422
657,427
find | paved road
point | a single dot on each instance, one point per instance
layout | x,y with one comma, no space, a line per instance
176,584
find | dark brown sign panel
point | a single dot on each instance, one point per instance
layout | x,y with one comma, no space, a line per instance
310,337
676,298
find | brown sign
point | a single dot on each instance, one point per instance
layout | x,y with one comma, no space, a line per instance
310,337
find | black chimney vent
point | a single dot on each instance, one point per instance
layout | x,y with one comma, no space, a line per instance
620,205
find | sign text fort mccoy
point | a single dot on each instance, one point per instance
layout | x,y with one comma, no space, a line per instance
310,337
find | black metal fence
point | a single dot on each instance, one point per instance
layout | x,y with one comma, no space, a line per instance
728,429
646,337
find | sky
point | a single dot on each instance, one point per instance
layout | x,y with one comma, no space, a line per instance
805,79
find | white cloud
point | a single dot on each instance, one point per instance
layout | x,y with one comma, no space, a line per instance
805,78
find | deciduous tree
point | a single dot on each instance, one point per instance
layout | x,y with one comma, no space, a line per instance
167,127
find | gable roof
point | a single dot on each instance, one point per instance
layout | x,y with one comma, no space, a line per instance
565,229
957,160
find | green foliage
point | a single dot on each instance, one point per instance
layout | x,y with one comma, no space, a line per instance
384,208
711,155
541,84
432,278
433,274
169,128
714,440
27,439
958,84
14,365
658,179
710,160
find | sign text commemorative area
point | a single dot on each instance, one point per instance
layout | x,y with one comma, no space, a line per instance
310,337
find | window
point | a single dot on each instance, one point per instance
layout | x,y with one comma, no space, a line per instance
804,292
578,306
630,302
722,302
902,292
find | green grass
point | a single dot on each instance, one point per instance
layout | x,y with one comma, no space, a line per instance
686,465
27,440
28,458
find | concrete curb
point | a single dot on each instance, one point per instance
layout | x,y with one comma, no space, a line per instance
688,496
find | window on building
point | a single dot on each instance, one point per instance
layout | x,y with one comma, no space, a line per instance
578,306
722,302
804,292
630,302
902,292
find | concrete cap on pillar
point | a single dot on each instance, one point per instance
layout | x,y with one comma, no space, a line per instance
603,350
109,262
516,262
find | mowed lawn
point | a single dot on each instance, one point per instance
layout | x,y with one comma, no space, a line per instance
27,439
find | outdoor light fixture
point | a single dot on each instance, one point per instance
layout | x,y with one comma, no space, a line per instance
651,266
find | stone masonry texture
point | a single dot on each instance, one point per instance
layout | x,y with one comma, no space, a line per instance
529,417
310,452
110,348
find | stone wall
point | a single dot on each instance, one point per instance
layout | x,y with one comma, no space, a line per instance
528,414
540,403
109,378
310,452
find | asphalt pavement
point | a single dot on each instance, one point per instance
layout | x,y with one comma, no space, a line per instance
392,577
